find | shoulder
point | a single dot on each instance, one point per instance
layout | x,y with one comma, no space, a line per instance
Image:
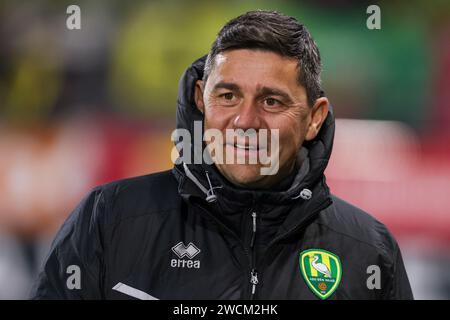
355,224
152,186
133,197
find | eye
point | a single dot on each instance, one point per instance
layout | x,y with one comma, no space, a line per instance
272,102
227,96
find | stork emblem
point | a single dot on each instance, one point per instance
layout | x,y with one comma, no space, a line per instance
321,270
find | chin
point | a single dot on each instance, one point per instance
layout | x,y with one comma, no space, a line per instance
243,175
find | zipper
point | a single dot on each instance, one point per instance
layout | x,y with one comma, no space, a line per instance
253,281
253,274
250,257
254,230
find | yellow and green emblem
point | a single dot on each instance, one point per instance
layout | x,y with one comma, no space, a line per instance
321,270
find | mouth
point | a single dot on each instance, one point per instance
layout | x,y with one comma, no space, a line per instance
245,147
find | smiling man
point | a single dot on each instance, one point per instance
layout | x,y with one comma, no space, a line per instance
258,89
225,230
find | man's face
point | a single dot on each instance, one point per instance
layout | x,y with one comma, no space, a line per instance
255,89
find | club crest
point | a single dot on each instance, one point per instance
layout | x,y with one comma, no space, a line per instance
321,270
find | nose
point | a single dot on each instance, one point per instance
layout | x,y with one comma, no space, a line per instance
247,117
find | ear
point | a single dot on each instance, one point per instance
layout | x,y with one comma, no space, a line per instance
198,96
319,113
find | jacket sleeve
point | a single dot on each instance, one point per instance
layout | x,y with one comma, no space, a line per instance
400,289
73,268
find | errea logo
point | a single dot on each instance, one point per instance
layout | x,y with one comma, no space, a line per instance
182,251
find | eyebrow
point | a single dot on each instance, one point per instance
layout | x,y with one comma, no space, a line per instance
264,91
226,85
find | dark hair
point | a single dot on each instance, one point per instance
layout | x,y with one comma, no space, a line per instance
272,31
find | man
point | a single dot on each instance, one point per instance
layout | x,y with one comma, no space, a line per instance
225,230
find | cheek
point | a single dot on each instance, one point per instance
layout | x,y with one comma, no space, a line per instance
290,139
217,117
292,131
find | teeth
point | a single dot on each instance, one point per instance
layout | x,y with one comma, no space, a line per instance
240,146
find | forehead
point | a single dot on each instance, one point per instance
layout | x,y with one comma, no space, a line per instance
250,67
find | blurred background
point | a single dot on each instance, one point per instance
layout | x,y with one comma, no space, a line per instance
83,107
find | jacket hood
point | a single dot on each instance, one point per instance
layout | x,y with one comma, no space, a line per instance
205,180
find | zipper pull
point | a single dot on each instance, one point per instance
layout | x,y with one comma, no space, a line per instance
254,229
254,221
254,280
